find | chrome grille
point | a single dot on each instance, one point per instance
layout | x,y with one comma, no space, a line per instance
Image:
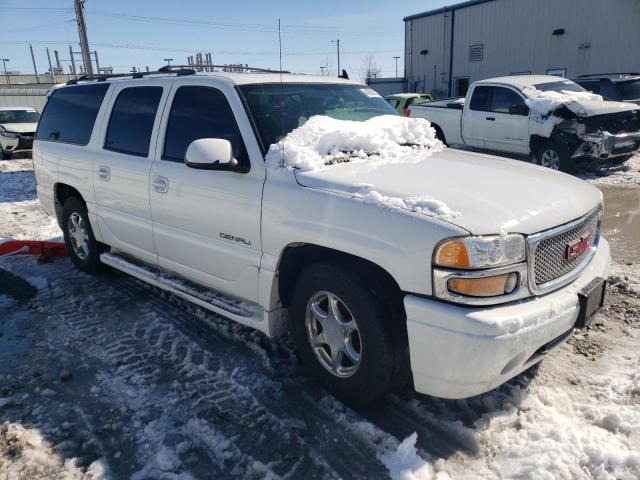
550,260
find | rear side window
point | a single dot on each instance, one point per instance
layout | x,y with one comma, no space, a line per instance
131,122
481,98
70,114
201,112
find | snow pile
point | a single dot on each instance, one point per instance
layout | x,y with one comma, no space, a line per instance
425,205
404,463
544,102
323,141
24,453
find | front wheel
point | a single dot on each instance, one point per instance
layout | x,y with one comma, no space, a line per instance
84,250
555,156
4,155
346,334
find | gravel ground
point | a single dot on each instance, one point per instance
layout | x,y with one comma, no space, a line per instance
106,377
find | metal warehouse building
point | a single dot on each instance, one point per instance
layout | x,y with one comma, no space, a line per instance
448,48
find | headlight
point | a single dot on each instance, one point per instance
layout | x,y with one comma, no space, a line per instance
6,134
480,252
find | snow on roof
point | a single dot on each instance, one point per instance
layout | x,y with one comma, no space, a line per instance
15,109
405,95
523,80
323,141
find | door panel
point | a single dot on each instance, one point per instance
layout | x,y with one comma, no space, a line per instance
206,223
508,132
122,164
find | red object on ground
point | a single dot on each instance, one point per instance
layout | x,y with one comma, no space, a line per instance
44,249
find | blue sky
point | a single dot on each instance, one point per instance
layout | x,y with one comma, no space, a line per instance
144,32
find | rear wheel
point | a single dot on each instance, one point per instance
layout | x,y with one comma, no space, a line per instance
440,134
555,156
84,250
4,155
345,335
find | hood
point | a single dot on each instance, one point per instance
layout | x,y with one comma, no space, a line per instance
19,127
603,107
488,194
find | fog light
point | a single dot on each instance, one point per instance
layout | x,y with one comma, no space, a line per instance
484,286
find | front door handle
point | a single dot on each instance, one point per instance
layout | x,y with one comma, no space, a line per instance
104,173
160,184
491,119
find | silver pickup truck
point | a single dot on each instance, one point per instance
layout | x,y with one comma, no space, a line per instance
552,119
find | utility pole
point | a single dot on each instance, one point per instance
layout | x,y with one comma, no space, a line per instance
396,66
55,53
33,59
53,76
73,63
82,33
4,65
337,42
95,54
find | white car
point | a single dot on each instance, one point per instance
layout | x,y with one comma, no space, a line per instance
302,204
553,119
17,127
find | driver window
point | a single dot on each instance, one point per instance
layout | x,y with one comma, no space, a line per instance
201,112
504,98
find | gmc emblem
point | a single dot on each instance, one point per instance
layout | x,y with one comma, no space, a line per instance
578,247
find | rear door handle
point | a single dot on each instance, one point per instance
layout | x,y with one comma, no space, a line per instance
160,184
104,173
491,119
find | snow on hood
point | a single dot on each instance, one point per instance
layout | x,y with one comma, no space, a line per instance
480,193
583,104
323,141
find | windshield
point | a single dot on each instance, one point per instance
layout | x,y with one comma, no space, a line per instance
18,116
629,90
560,86
277,108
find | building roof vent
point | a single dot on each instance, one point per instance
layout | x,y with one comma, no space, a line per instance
476,52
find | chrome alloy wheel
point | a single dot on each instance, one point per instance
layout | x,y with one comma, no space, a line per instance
78,235
333,333
550,159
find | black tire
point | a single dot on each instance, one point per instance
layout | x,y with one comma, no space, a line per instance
91,261
4,155
382,333
556,156
440,134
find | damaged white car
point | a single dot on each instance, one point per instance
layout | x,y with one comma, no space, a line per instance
301,204
554,120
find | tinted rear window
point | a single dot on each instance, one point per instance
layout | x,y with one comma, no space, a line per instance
481,98
70,114
131,122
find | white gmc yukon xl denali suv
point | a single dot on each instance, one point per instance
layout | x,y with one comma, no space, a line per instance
306,205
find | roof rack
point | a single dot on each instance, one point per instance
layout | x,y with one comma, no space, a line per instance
224,68
609,73
178,70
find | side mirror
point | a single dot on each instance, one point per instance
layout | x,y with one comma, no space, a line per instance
518,110
210,154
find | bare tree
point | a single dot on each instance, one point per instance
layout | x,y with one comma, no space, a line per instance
369,68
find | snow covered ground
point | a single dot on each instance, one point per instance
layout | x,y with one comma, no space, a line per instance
105,377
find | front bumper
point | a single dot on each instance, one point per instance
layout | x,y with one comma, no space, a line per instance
608,145
458,352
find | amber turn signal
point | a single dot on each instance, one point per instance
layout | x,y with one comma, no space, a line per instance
484,286
452,254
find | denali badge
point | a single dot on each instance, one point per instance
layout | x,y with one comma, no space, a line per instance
578,247
226,236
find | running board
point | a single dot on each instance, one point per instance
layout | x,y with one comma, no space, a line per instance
240,311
